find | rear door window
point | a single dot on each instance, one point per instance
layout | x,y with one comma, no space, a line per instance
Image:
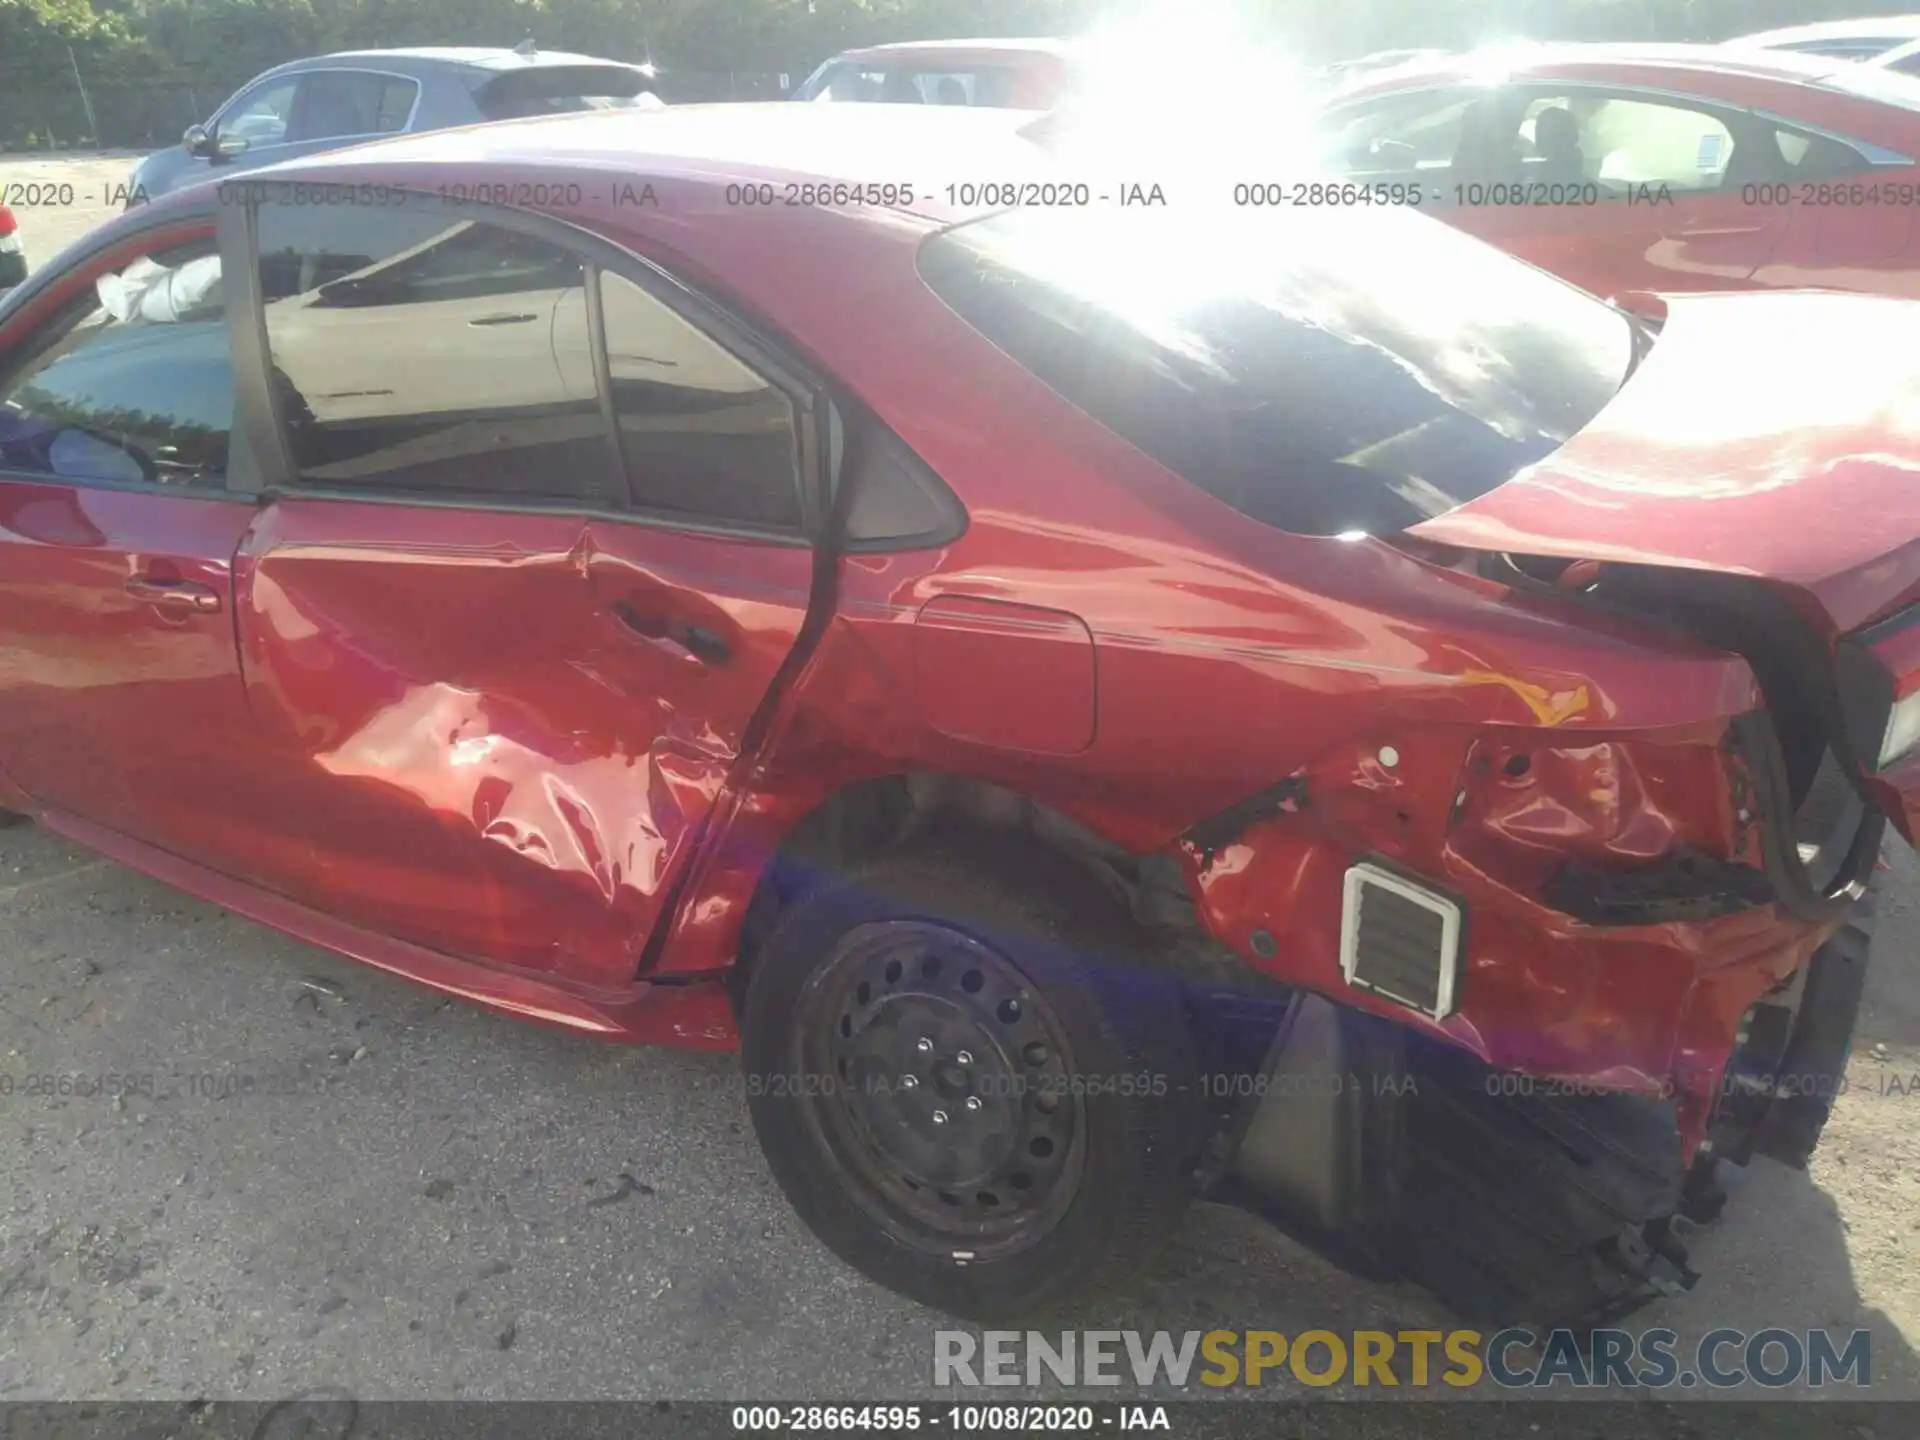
335,104
431,353
701,433
1324,371
417,354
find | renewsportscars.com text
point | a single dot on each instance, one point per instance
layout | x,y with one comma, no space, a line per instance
1513,1358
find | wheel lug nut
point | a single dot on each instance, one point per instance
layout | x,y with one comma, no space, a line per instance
965,1057
939,1117
925,1047
907,1082
973,1102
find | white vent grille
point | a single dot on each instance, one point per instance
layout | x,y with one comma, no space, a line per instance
1399,940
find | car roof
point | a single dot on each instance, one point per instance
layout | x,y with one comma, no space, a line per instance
1814,77
1042,45
722,144
1385,57
1560,59
1872,27
462,57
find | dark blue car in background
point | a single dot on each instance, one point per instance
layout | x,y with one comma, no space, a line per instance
330,101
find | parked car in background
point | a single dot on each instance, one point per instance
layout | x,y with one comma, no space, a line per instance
1005,74
329,101
13,260
1865,39
1289,704
1631,167
1344,71
1904,59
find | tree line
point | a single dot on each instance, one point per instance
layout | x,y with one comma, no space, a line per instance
134,72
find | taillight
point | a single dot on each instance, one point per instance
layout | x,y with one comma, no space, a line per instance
9,232
1879,675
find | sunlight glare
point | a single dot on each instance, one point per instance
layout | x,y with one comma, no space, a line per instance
1178,89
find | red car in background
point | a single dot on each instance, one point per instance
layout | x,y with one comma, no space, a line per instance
1635,167
1003,74
1102,704
13,260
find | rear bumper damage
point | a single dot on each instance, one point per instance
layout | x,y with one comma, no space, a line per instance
1600,915
1513,1083
1512,1200
1517,1199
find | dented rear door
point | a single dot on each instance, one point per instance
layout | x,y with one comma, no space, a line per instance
501,731
508,661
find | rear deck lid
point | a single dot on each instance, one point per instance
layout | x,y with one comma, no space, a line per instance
1776,436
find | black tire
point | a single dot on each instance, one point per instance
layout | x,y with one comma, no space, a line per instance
1815,1065
1051,942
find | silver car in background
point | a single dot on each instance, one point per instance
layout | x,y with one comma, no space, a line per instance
330,101
1890,40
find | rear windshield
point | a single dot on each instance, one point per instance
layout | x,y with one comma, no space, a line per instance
1885,84
559,89
911,83
1325,371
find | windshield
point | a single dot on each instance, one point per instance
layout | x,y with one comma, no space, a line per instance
1325,371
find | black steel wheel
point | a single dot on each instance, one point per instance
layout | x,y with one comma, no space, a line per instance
949,1089
968,1081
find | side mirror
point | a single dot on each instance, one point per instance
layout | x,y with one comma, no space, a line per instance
228,146
196,140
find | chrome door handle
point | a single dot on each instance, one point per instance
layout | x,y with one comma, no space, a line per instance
176,595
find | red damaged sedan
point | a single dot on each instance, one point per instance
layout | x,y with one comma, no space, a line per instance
1101,706
1638,167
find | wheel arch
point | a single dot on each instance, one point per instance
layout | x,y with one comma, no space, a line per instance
867,817
864,817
